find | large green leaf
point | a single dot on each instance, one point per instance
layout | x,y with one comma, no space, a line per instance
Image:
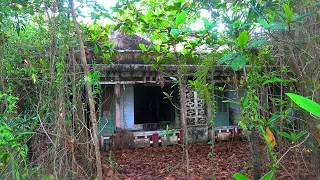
239,176
268,176
238,63
180,18
243,39
306,104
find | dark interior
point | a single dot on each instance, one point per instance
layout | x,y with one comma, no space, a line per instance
150,104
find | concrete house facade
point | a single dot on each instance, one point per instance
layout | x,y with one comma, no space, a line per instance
133,104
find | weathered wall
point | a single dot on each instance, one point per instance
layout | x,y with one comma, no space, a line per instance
198,134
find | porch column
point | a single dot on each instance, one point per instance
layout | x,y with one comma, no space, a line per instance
117,93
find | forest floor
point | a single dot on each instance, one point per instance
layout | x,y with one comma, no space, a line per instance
167,162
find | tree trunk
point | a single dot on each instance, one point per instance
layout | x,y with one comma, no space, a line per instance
183,118
93,116
255,154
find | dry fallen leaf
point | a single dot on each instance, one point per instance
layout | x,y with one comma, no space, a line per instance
270,138
106,166
110,173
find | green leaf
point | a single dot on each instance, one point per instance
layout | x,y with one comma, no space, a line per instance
239,176
175,33
274,80
277,26
15,139
318,126
263,22
27,133
206,23
288,12
300,134
303,16
177,5
257,43
95,49
142,47
274,117
316,4
12,166
231,101
227,57
213,26
243,39
214,35
145,58
180,18
285,134
268,176
306,104
238,63
117,26
281,14
157,47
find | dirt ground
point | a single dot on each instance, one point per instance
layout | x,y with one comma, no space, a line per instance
168,163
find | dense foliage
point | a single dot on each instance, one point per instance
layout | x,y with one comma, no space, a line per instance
272,47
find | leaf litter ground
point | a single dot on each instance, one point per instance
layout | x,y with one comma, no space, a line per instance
168,162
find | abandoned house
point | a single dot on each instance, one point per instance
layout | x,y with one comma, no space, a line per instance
134,110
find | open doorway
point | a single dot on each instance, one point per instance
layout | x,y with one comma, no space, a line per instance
151,106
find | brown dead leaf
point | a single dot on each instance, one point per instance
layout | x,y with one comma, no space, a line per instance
106,166
110,173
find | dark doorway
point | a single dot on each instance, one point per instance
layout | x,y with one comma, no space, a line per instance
150,104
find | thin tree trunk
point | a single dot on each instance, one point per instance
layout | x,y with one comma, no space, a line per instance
93,116
183,118
182,89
